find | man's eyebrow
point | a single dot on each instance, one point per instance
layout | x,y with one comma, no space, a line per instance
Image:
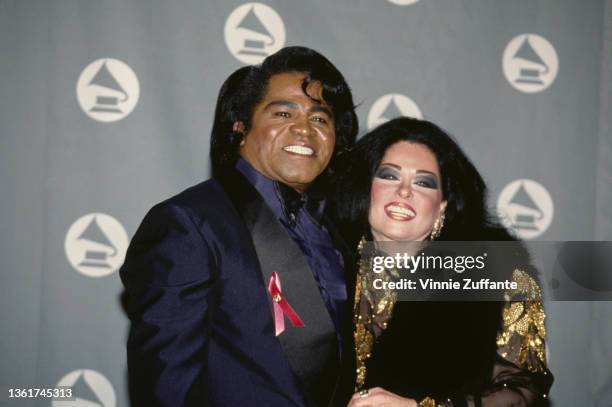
321,109
293,105
285,103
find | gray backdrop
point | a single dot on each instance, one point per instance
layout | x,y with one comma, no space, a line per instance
106,108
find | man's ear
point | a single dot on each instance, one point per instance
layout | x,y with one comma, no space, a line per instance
238,127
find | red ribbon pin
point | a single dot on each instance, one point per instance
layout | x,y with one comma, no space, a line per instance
281,306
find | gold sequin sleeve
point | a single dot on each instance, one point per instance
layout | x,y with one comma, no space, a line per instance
520,374
522,340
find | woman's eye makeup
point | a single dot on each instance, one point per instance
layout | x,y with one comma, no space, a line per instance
386,172
427,181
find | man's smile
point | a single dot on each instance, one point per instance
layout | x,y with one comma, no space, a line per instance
299,150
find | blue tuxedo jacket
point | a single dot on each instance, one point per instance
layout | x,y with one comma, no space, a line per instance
202,330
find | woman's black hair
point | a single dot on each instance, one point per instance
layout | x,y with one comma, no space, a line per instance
466,214
246,87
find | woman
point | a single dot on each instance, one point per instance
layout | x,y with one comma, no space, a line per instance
409,181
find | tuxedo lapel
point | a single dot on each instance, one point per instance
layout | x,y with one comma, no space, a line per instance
311,350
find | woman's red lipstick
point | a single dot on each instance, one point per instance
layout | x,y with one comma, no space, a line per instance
400,211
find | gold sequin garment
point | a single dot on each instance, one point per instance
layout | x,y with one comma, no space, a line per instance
428,402
372,309
522,338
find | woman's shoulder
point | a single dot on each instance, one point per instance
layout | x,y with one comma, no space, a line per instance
492,232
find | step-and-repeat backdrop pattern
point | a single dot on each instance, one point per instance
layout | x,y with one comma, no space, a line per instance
107,107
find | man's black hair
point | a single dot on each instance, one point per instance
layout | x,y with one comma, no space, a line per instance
246,87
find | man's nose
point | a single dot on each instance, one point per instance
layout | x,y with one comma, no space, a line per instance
301,127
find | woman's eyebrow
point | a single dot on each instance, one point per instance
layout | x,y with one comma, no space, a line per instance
427,172
397,167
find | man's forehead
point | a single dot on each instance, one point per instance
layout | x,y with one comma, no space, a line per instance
290,84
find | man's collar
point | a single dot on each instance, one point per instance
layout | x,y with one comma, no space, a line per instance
287,200
292,200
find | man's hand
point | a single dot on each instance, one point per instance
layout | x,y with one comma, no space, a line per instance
379,397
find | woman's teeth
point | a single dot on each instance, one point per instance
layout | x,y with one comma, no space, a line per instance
398,210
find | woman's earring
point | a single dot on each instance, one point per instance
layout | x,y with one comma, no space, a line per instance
437,227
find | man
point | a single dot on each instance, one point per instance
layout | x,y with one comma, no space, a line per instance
236,289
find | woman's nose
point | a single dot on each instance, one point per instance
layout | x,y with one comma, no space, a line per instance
404,190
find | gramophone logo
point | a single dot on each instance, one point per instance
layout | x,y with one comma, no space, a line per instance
530,63
526,207
391,106
89,389
108,90
96,244
253,31
403,2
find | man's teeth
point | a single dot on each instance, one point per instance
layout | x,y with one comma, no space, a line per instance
401,211
301,150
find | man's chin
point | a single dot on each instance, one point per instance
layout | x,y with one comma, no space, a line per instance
300,184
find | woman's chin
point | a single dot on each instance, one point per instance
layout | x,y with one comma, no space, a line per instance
400,238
